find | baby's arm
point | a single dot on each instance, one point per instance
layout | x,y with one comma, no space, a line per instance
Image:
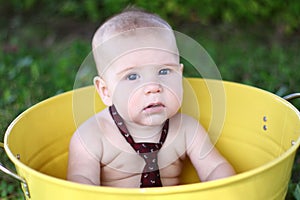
83,167
208,162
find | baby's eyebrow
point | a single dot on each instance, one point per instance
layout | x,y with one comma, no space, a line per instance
125,70
171,64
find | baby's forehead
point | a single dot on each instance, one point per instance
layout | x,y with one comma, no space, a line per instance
134,40
143,36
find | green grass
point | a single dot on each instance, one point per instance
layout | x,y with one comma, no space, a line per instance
36,64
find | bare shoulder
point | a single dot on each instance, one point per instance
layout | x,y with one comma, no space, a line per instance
90,133
94,124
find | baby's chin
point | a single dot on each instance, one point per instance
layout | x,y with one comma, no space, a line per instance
153,120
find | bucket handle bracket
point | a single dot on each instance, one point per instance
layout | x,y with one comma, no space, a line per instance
292,96
15,176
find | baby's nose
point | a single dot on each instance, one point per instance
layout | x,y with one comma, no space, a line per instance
152,88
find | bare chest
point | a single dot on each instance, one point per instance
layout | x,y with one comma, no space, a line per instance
129,174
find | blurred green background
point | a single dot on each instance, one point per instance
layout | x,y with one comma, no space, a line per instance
43,43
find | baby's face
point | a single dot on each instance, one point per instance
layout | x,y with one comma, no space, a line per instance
146,84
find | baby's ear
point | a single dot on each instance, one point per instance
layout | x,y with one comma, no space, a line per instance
102,90
181,67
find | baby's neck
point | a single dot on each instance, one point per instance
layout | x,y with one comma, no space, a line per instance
141,133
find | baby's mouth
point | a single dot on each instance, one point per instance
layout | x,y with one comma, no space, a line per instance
154,105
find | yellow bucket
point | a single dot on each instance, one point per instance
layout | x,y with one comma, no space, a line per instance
259,136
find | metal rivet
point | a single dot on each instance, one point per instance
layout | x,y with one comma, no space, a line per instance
18,156
265,127
293,142
265,118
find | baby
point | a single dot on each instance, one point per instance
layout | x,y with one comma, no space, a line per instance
141,139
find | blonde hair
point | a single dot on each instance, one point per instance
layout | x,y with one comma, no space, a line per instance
130,19
130,22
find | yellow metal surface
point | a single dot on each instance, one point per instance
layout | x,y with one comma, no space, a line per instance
252,128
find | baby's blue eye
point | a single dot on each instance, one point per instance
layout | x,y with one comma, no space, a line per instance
164,71
132,77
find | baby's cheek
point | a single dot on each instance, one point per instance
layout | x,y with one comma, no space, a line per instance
126,100
175,92
134,100
122,92
173,84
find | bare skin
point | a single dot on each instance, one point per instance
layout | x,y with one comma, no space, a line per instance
119,165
